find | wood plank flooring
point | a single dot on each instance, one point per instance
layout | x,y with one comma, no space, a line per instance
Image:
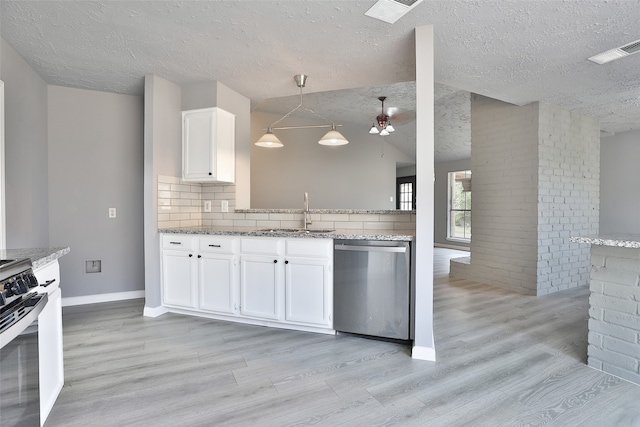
503,360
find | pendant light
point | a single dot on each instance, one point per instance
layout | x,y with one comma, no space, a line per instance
333,137
269,140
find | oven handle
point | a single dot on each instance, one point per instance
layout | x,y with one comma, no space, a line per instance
17,328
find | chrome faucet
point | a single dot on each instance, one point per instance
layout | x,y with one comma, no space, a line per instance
305,212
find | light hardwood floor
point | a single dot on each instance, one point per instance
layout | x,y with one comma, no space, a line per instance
503,360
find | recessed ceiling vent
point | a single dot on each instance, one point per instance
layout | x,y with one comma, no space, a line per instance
391,10
617,53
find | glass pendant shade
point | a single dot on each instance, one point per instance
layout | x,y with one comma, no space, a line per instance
269,140
384,132
389,127
333,137
374,129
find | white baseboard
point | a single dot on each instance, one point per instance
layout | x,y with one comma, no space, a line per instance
447,246
423,353
98,298
154,311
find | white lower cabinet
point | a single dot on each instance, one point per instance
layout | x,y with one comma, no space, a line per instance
217,283
50,345
262,280
199,273
260,287
308,291
179,274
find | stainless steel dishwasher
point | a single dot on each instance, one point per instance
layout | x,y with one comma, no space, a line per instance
371,288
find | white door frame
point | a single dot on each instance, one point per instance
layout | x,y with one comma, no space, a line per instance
3,224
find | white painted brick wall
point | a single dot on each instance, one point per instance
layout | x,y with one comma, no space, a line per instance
504,216
568,196
614,324
535,184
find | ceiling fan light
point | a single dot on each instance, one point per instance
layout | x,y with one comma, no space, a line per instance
269,140
333,137
384,132
389,127
374,129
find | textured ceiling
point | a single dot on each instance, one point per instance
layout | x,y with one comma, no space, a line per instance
518,51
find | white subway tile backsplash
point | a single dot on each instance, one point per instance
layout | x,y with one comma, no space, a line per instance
182,205
181,188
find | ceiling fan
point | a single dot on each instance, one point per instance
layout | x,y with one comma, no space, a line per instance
382,125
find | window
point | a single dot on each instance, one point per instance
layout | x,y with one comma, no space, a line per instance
459,219
405,193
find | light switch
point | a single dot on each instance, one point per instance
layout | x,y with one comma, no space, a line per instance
112,212
207,205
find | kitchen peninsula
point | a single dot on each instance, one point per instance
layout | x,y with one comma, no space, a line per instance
264,267
614,315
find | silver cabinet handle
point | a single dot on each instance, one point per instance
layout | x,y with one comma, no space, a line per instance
215,246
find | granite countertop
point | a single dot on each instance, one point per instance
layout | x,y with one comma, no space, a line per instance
620,240
39,256
396,235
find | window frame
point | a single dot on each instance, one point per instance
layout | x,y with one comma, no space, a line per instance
451,181
406,180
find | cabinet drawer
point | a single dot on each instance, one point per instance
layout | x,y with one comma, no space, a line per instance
218,244
260,246
176,241
48,273
320,248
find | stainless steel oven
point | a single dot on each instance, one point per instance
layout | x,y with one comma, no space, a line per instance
19,364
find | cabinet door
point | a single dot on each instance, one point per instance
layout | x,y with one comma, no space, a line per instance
208,145
217,283
50,352
197,144
179,278
260,286
308,291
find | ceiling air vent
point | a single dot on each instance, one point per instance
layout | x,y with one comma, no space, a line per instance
617,53
391,10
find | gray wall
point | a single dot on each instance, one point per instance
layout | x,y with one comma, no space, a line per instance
25,151
619,180
162,156
442,199
96,163
359,175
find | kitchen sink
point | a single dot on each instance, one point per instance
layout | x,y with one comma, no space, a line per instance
295,230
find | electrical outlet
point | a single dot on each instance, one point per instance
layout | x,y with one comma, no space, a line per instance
224,205
391,198
207,205
112,212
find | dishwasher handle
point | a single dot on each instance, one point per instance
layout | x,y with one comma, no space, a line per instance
341,247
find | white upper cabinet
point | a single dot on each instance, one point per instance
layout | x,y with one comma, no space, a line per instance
208,145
